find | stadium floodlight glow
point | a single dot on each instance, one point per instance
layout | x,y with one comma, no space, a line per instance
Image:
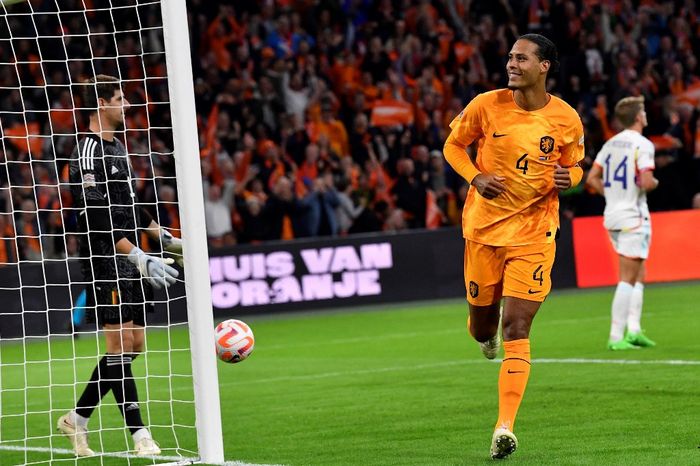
47,49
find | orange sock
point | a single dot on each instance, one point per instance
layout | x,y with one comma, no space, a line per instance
512,380
469,326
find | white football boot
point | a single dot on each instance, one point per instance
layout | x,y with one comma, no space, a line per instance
146,447
77,435
503,443
491,346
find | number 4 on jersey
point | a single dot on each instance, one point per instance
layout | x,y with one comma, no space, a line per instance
521,164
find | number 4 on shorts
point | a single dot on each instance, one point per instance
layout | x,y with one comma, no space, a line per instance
536,277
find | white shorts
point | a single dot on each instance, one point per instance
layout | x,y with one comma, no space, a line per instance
633,244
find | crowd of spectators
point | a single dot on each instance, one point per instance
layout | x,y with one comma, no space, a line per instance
328,117
44,58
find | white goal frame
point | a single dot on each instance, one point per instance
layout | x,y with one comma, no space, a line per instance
196,258
200,318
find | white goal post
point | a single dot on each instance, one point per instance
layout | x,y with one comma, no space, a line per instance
43,367
198,286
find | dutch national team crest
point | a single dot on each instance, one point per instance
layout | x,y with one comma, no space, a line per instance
473,289
546,144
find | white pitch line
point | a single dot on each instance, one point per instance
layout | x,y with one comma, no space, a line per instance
341,341
651,362
177,459
394,336
379,370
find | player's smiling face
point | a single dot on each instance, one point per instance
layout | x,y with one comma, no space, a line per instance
113,109
524,67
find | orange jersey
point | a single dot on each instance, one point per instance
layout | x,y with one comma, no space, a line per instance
523,147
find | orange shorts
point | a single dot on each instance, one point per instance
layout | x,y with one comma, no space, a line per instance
491,272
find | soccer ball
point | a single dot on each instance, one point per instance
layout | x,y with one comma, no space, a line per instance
234,341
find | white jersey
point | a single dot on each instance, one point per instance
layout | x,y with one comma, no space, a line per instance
623,159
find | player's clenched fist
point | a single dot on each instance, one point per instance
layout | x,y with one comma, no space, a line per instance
489,186
562,179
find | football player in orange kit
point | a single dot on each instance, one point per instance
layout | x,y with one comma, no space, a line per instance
529,143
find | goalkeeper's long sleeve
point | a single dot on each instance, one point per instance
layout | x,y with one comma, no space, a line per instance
97,211
102,186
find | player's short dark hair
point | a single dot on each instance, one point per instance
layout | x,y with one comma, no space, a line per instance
101,86
627,109
546,50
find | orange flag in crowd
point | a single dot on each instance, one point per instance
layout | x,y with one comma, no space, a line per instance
390,112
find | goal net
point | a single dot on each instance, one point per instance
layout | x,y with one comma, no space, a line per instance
49,340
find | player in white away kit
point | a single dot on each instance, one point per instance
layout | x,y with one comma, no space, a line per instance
623,172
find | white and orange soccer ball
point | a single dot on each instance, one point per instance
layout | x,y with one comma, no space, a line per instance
234,340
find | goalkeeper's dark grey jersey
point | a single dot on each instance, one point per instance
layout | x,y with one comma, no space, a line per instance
103,193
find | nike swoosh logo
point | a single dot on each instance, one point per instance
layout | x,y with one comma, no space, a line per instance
515,372
530,291
498,135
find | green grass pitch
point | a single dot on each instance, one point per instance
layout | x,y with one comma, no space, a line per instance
397,385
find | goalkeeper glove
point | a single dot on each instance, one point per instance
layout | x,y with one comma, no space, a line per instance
155,270
173,245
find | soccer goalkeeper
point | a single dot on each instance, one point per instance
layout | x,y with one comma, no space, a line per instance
120,272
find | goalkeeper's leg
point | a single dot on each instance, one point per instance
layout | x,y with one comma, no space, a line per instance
142,293
127,341
124,342
74,424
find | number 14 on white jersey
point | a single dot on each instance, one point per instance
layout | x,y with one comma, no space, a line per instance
623,158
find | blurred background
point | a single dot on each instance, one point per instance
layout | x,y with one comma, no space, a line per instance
321,118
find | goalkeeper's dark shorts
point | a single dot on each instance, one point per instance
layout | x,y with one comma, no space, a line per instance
118,302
